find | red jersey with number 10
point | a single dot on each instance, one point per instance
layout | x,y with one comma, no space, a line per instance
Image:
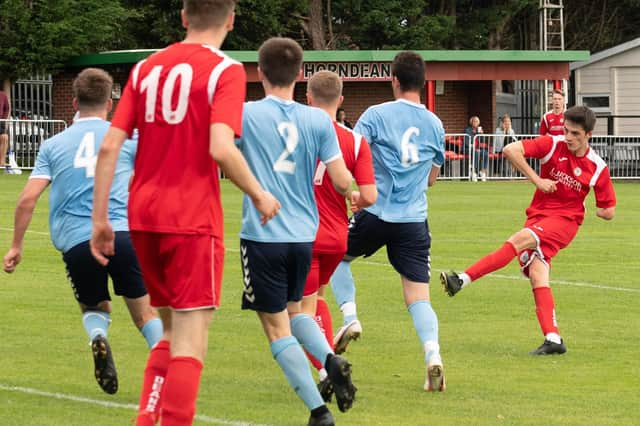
332,207
172,98
575,176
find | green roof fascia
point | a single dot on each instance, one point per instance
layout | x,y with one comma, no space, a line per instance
249,56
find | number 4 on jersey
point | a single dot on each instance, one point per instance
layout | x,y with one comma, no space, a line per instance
86,155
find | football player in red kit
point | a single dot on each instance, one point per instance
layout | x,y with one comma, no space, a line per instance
569,168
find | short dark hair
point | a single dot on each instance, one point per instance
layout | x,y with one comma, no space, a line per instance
203,14
557,92
408,67
582,116
325,87
92,87
280,59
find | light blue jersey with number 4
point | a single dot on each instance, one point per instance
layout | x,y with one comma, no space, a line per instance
406,141
68,160
282,142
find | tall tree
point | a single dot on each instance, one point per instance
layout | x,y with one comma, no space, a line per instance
42,35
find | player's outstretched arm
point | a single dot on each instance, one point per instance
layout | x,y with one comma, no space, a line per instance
102,236
606,213
515,154
22,217
223,150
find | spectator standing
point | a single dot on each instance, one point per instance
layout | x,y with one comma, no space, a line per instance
552,122
341,118
5,114
481,161
504,136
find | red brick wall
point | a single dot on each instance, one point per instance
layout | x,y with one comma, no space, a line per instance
62,91
461,99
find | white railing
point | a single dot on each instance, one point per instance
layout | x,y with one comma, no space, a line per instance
26,136
481,158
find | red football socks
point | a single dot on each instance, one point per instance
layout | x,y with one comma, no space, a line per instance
492,262
180,391
545,310
323,317
154,377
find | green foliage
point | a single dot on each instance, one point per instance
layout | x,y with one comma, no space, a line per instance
257,20
41,35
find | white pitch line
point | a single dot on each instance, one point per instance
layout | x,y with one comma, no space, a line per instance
500,276
519,277
109,404
28,231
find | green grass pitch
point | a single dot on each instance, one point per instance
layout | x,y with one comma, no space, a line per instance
485,331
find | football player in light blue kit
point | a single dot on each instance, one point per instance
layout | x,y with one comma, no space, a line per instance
282,141
67,162
407,146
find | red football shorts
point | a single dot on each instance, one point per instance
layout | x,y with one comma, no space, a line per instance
183,272
553,233
322,267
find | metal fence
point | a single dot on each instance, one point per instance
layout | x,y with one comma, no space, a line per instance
464,160
481,158
26,136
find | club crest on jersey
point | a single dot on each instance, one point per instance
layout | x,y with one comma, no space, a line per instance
577,171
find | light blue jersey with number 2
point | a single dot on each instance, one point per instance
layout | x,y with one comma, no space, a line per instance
68,160
406,141
282,142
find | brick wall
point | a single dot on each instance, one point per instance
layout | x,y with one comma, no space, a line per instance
461,99
62,91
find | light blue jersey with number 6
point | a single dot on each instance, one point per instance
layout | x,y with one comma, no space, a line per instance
282,142
68,160
406,141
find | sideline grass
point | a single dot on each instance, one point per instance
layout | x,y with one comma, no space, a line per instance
486,331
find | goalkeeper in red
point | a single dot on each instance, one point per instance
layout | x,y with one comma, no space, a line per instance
569,168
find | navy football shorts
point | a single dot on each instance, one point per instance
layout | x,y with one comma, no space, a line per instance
408,244
89,279
273,274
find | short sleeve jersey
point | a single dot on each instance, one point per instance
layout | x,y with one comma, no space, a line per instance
172,98
332,206
552,124
406,140
282,142
68,160
575,177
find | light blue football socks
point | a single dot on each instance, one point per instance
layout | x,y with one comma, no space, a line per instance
425,321
344,290
96,323
306,330
152,331
293,362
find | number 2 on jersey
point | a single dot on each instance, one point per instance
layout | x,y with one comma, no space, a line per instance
289,132
86,155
